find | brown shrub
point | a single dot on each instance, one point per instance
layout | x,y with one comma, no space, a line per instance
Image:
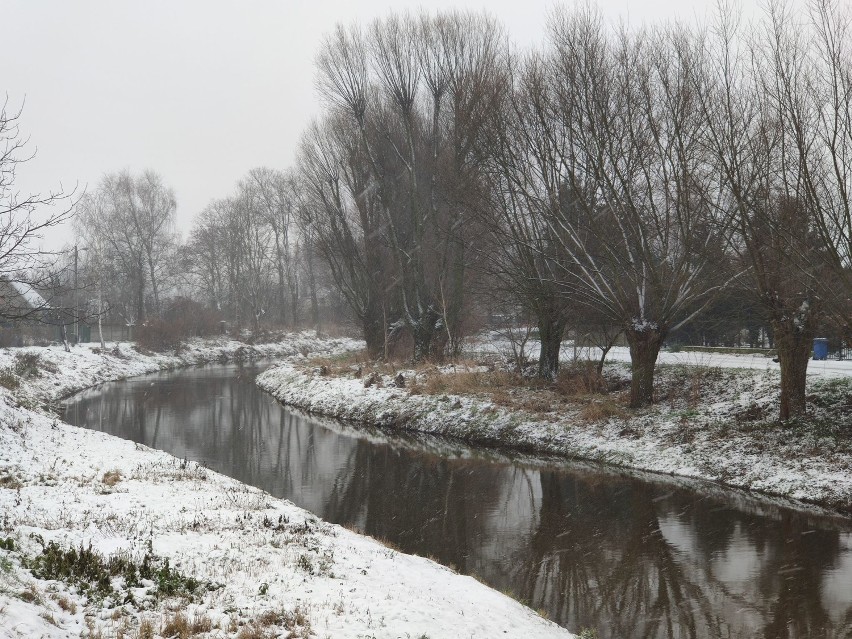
193,319
183,319
159,335
580,379
67,605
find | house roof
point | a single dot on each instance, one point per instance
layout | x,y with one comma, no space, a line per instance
18,297
31,296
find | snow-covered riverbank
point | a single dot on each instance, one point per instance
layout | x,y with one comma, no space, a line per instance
715,423
240,563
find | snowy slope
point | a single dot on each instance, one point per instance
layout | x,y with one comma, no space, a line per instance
268,565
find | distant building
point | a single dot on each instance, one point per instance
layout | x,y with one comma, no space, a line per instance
25,316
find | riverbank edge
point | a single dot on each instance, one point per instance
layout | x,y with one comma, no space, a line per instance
23,414
121,360
652,440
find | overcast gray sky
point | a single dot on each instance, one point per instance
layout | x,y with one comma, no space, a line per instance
200,91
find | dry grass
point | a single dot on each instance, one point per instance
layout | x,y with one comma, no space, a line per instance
181,627
600,409
580,379
578,385
146,630
434,382
573,386
266,626
340,365
111,477
67,605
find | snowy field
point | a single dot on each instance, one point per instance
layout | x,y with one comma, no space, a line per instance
495,344
240,563
726,434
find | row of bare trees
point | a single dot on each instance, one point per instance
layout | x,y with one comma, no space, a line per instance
249,254
614,180
617,178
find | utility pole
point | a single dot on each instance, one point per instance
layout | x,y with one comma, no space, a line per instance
76,302
77,297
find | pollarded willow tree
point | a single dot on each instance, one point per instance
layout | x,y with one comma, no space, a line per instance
523,173
780,129
343,216
634,203
418,91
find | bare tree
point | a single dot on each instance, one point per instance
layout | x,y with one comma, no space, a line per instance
523,166
130,220
625,186
418,91
342,215
278,200
777,119
24,265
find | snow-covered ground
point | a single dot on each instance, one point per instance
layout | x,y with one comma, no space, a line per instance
264,567
495,343
715,423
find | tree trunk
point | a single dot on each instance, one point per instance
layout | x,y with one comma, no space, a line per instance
140,302
645,346
101,316
295,317
423,331
793,344
312,284
374,336
154,288
279,267
455,314
65,339
551,329
602,360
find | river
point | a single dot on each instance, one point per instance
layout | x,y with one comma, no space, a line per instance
626,554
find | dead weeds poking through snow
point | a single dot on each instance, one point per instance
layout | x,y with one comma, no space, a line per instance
111,478
182,627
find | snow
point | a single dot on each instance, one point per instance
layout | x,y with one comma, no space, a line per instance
497,344
713,440
30,295
257,553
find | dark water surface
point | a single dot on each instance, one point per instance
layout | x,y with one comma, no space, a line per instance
628,555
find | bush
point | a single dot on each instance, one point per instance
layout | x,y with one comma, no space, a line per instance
192,319
159,336
581,378
184,318
28,364
8,379
93,574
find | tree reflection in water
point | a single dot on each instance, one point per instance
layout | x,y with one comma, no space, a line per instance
629,556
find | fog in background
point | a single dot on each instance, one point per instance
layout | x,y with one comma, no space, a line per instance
199,91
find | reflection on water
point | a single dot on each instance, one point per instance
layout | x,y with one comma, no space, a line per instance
629,556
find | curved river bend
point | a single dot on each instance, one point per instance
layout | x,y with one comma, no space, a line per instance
628,555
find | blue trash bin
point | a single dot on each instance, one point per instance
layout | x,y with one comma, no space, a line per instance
820,348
